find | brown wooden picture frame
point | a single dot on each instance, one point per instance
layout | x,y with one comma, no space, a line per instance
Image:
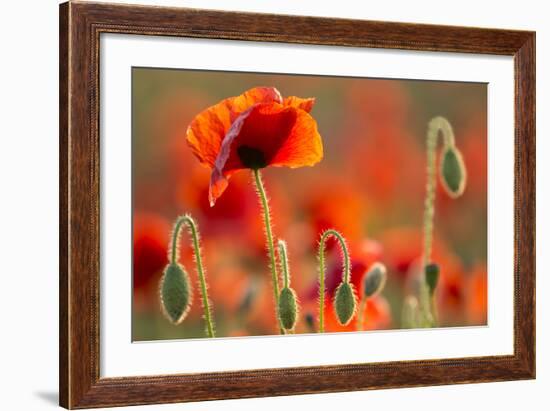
80,27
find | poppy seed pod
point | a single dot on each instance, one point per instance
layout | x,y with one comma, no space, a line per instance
288,308
175,293
431,271
453,172
374,280
345,303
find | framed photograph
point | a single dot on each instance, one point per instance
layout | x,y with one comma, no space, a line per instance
260,205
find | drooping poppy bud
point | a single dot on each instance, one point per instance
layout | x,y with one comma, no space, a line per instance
431,272
175,287
175,293
288,308
453,172
344,299
345,303
374,280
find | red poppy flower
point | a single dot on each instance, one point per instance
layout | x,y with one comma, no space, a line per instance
254,130
151,233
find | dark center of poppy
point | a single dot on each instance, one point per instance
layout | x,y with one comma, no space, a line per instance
251,157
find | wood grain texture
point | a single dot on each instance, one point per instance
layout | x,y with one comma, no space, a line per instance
63,204
80,27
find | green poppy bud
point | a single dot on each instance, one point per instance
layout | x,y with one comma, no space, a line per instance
345,303
453,172
175,293
431,271
374,280
288,308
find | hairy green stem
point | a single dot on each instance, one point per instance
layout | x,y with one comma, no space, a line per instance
436,125
433,310
425,307
362,316
194,232
346,267
270,247
283,258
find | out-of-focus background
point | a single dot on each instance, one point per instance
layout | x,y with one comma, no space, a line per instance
370,185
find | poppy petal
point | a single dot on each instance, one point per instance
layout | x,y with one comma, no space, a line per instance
302,147
208,129
254,96
305,104
266,134
218,183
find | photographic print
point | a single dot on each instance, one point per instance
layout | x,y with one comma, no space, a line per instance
276,204
261,214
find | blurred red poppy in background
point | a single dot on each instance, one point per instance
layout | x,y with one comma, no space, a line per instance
377,316
151,233
476,296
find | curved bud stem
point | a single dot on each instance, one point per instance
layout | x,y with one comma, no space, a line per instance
453,178
269,235
194,232
434,127
345,273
